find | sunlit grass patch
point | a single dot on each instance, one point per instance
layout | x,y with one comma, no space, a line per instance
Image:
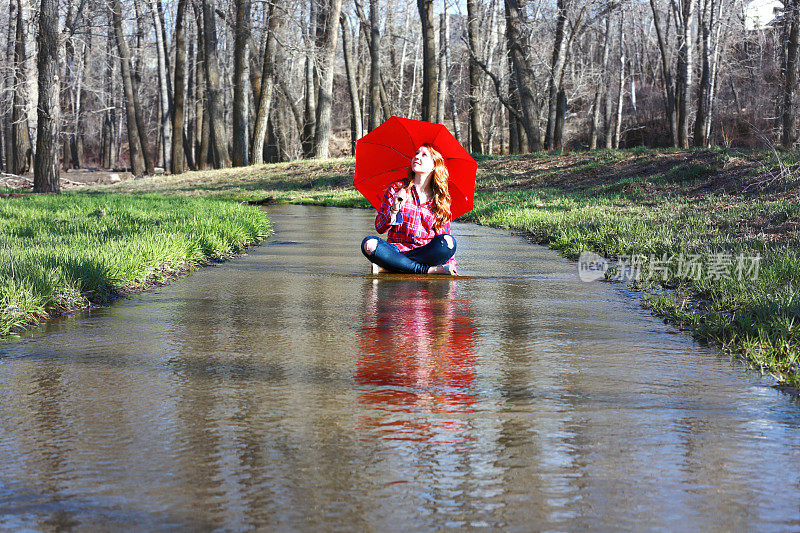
64,252
757,318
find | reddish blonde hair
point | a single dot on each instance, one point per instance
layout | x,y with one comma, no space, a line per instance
439,185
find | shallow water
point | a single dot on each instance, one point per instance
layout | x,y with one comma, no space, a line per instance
289,389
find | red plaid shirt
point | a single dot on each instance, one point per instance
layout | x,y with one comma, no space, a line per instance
417,228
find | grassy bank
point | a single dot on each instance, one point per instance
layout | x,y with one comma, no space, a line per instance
667,209
66,252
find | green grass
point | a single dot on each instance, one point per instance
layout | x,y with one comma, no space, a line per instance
64,252
756,315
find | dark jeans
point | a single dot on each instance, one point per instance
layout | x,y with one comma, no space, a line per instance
416,261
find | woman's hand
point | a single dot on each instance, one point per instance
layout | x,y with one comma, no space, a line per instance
398,201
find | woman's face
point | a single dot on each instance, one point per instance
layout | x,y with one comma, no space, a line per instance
422,162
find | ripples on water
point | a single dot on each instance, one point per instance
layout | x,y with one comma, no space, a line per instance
288,389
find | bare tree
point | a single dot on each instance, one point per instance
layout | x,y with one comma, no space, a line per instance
441,80
666,70
375,66
267,84
177,156
45,172
356,123
213,88
475,107
595,124
7,96
109,128
515,20
557,66
448,69
789,114
685,66
430,74
310,110
241,54
19,158
134,140
163,86
327,50
621,82
136,80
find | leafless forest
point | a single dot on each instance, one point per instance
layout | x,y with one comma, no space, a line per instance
191,84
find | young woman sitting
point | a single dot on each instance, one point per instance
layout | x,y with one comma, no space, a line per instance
416,212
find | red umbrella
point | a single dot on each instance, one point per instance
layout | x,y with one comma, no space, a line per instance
383,156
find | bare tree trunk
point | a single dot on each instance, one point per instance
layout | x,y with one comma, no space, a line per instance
241,59
475,106
451,93
66,95
7,97
712,92
190,139
621,94
518,139
608,118
163,85
205,137
402,66
515,18
414,75
109,115
327,50
375,66
170,73
2,149
684,86
136,80
669,89
214,88
45,172
201,117
703,38
134,141
310,110
177,158
19,160
430,74
561,115
356,131
82,100
442,67
789,112
598,92
557,65
267,85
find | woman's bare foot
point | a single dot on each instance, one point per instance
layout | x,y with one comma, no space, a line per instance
442,269
378,270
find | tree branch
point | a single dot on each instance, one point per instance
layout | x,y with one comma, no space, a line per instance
517,114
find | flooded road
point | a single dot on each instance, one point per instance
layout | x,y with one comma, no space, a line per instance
288,389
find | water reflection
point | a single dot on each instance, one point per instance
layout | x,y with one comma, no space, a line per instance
416,358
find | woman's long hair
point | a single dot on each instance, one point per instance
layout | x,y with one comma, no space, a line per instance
439,185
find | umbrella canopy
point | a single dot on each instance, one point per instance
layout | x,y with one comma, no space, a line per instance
383,156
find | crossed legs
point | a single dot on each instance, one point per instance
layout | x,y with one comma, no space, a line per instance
428,259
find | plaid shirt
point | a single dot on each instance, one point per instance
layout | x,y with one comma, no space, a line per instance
418,221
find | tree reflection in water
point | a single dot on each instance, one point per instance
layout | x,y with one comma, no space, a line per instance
416,365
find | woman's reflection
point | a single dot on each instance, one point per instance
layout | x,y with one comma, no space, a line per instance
417,359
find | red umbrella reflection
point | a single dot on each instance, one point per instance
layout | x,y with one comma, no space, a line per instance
417,359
